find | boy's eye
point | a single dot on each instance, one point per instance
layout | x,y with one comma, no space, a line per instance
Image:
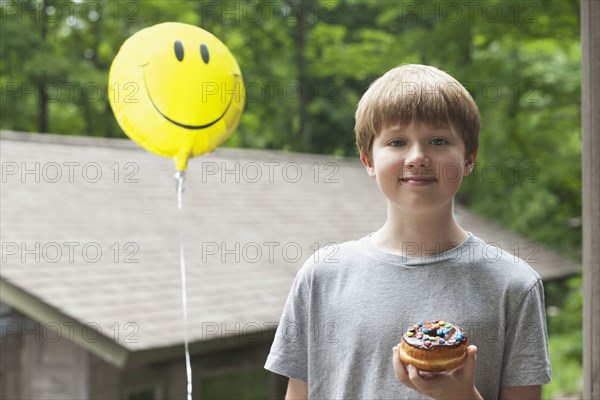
396,143
439,141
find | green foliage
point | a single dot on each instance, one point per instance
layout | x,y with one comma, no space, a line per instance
242,385
564,301
567,372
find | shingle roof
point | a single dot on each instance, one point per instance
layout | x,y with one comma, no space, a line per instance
129,212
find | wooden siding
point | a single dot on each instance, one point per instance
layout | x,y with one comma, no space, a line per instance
590,63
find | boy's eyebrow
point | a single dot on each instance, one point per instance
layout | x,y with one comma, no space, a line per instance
398,129
390,131
444,129
440,127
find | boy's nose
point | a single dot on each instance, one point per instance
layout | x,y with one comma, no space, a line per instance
417,159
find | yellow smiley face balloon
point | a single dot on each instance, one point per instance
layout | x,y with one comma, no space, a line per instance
176,90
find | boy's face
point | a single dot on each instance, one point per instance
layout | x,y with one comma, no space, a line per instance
417,167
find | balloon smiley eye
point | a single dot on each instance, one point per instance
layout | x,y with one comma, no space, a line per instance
179,50
204,53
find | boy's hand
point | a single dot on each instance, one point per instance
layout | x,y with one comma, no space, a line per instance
456,384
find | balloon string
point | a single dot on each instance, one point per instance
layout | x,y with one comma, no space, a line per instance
180,178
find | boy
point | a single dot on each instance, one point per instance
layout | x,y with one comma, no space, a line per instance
416,130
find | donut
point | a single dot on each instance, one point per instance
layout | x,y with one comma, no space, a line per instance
434,346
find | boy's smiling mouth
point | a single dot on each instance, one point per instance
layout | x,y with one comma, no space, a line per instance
418,180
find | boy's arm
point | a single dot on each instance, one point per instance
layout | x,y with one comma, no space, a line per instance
521,392
297,390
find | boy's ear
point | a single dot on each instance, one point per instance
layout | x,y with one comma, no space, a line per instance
368,164
470,164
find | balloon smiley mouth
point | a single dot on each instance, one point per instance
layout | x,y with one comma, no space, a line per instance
180,124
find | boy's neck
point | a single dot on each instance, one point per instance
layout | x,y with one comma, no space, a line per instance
419,235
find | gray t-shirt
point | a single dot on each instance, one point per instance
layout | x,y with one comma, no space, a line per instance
350,304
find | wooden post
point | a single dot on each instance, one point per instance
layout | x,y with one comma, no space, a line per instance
590,91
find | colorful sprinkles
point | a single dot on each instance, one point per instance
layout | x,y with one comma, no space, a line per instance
437,332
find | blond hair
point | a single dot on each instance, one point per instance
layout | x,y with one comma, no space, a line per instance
416,93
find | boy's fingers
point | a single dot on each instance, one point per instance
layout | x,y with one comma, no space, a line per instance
400,370
428,375
418,382
413,375
471,361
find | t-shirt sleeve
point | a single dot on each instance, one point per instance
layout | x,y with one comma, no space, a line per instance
526,360
289,351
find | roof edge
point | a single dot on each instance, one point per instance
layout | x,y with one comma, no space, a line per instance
127,144
73,140
78,332
230,341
